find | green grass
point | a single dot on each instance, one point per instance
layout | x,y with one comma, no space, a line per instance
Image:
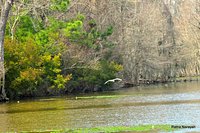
142,128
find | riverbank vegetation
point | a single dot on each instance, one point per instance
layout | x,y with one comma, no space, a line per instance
47,55
60,47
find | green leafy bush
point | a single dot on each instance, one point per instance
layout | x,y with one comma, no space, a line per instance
42,59
28,67
59,5
93,78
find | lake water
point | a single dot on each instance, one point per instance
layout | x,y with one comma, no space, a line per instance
174,104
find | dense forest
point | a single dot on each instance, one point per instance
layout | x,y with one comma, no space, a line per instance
57,47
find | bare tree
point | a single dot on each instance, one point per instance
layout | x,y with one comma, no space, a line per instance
5,9
188,40
156,38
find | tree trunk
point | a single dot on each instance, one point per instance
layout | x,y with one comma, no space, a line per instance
5,9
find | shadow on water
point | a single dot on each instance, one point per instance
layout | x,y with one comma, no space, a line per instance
105,106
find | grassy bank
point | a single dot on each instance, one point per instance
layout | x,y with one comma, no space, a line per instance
143,128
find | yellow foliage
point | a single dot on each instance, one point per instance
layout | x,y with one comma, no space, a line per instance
60,81
117,66
30,74
68,77
46,58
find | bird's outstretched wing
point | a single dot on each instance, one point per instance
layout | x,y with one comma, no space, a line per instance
107,81
117,79
113,80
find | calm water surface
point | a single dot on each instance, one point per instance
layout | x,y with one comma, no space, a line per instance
174,104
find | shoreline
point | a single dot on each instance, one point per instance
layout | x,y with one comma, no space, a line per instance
115,87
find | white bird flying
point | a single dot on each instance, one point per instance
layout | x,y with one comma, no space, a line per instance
113,80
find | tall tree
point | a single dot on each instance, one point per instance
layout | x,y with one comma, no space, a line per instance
5,6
